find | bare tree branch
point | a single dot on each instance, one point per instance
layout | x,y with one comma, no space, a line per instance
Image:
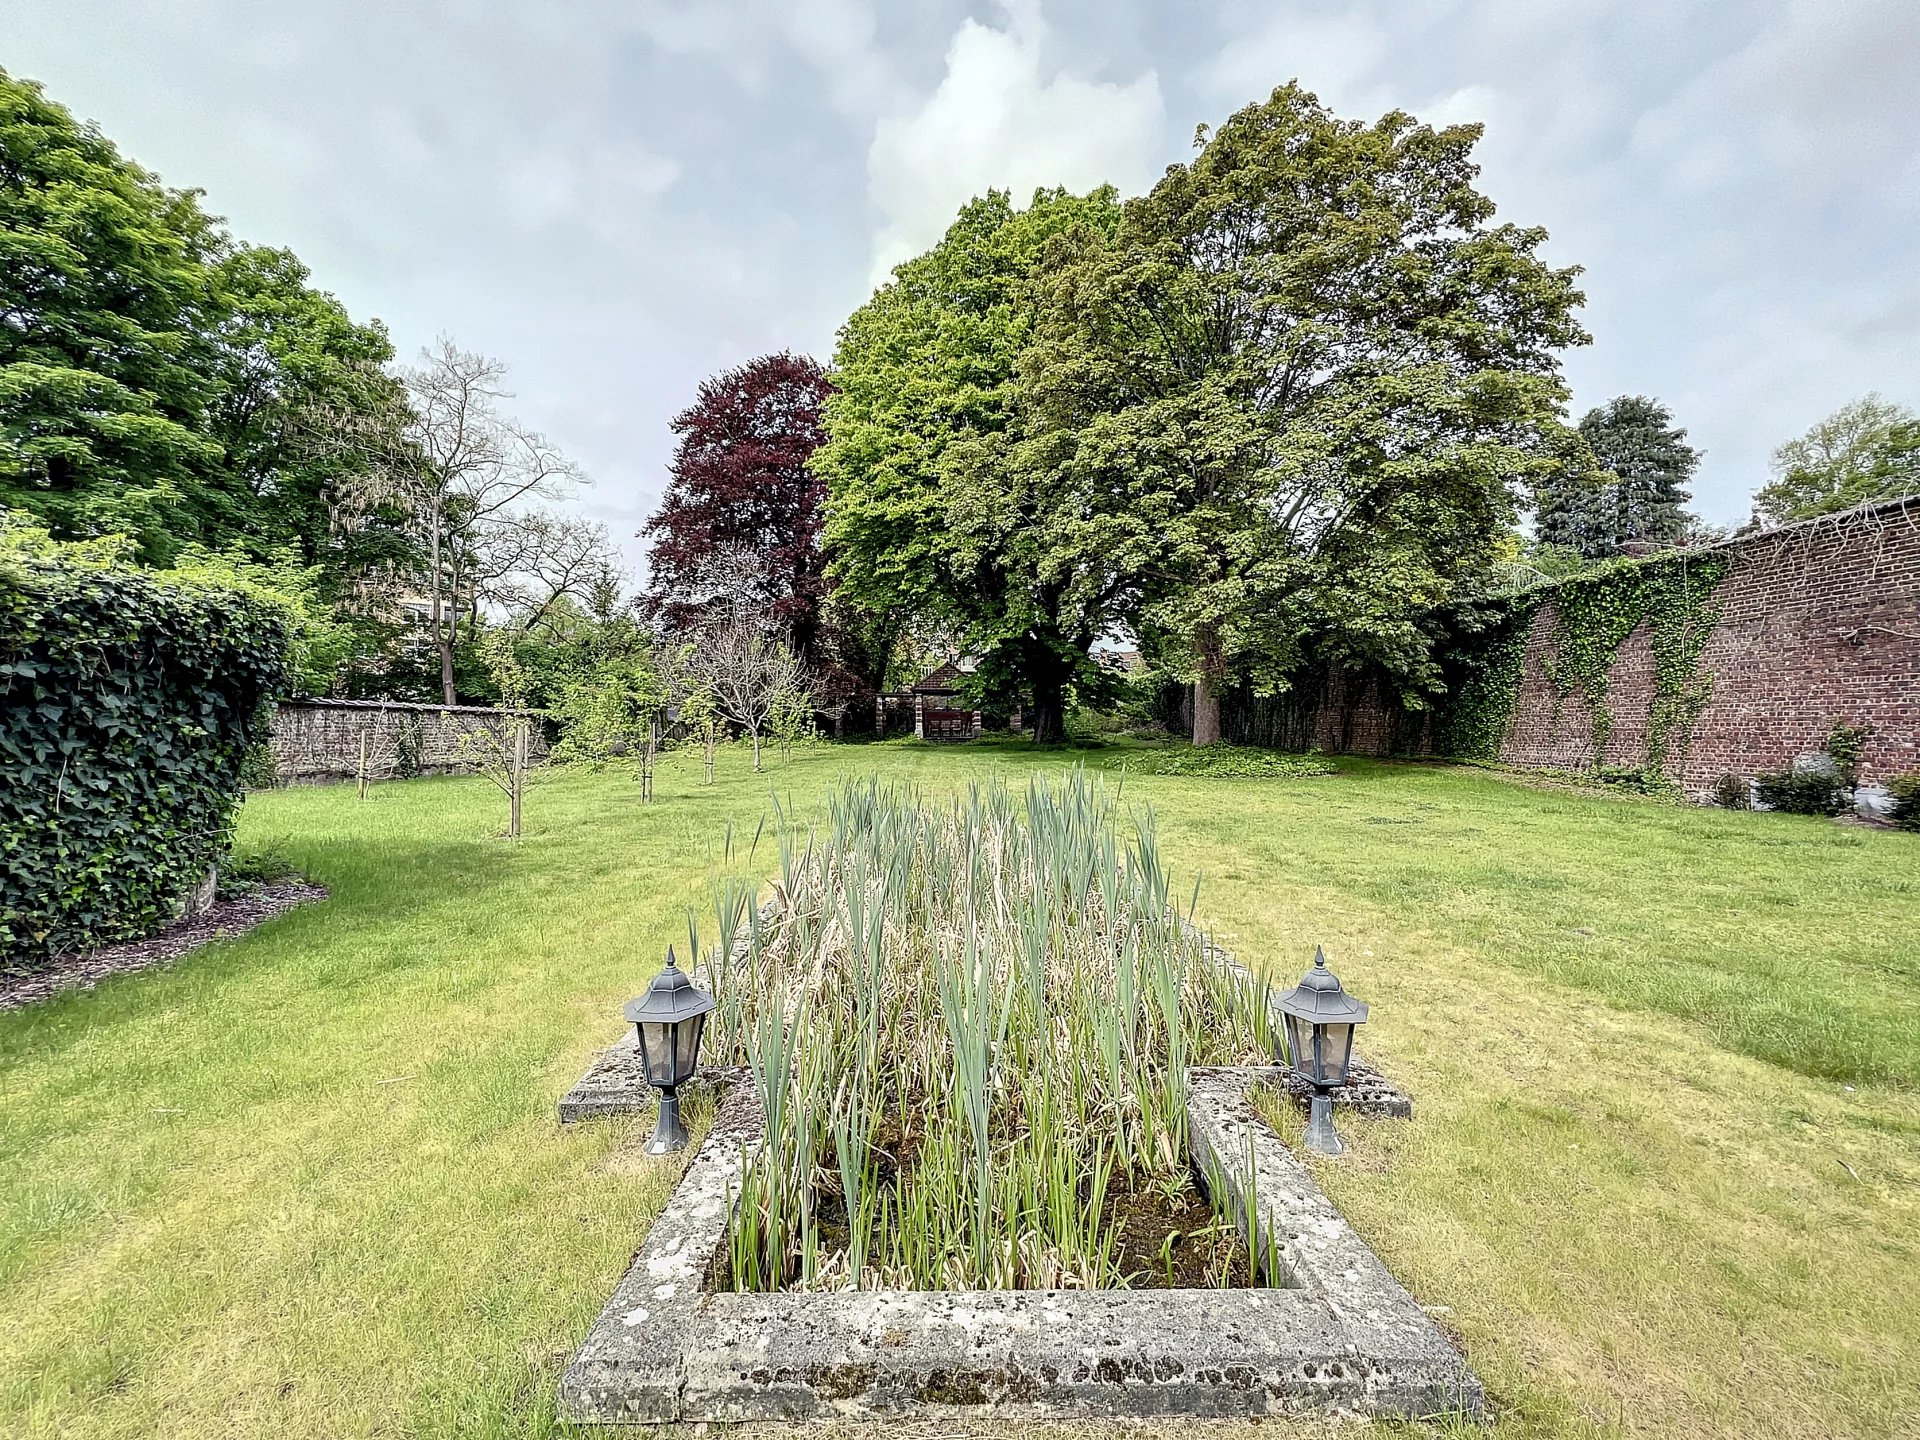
462,473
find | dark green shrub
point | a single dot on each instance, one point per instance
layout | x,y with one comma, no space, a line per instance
1635,779
1732,792
1802,792
1905,790
1846,745
258,769
245,872
128,701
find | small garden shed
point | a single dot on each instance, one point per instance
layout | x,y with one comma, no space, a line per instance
934,705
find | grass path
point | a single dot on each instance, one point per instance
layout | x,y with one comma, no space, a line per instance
1665,1176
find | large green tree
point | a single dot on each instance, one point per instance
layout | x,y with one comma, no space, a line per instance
1641,498
1867,450
287,358
925,516
154,373
105,309
1294,401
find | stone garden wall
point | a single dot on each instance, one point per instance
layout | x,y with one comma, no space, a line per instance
1804,626
320,740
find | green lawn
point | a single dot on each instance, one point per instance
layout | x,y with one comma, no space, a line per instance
1665,1175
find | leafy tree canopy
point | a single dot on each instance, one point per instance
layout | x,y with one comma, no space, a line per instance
149,364
323,641
1295,398
1641,497
1865,451
926,404
287,358
103,358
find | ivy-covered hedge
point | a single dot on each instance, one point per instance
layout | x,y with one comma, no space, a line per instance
127,703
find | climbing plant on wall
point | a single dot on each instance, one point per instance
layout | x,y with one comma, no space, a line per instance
1674,596
1483,667
1680,602
1592,618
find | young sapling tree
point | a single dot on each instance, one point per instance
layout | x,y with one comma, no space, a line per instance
613,715
501,745
743,665
791,721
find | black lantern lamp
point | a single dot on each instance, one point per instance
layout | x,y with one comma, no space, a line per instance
1320,1017
668,1020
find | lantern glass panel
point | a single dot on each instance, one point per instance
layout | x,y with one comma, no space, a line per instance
656,1051
1300,1044
1336,1053
687,1049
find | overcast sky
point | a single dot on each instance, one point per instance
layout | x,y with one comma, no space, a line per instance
618,197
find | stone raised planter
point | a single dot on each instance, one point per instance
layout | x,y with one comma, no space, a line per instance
1333,1335
1336,1336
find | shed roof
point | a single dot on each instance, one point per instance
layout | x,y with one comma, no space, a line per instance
945,680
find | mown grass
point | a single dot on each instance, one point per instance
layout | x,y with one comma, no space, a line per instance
1665,1176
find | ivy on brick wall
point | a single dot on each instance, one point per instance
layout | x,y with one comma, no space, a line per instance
1675,596
1483,664
1680,600
127,703
1593,616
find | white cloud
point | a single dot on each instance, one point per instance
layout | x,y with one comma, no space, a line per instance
1336,55
840,39
1000,119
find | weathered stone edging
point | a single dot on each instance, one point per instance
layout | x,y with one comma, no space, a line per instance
1341,1338
1337,1335
613,1084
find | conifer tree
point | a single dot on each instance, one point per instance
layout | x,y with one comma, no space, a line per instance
1642,496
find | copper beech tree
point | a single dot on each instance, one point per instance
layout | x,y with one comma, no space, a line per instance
739,484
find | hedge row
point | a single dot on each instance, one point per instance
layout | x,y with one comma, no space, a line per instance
127,703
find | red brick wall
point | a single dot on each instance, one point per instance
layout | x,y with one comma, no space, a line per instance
1819,622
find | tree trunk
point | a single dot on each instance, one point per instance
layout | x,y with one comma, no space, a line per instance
1206,713
518,776
756,752
1207,686
1049,714
1049,674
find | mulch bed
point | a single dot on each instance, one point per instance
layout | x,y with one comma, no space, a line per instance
225,920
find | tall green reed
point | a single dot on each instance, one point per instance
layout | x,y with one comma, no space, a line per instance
968,1021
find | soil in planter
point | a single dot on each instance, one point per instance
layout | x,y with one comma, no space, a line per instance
1167,1236
1175,1240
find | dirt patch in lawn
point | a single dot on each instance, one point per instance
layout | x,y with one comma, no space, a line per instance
225,920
